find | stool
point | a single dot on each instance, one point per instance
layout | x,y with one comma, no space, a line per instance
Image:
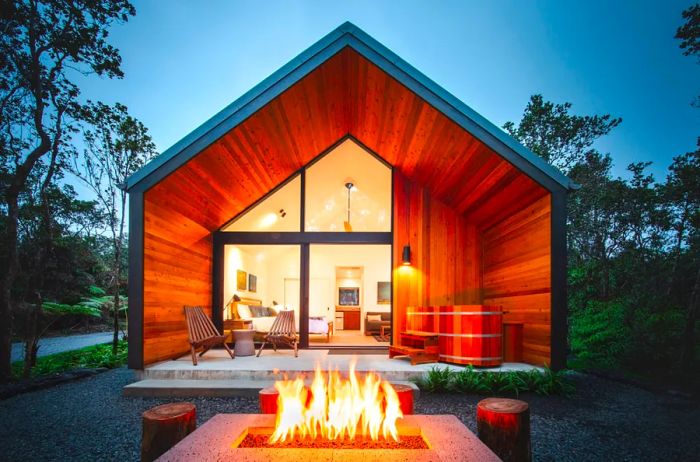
504,426
164,426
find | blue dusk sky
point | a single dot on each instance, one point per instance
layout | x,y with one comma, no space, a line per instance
186,60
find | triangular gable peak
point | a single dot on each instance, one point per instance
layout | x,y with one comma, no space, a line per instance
351,64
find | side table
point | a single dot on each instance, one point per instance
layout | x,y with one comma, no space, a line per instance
384,329
244,345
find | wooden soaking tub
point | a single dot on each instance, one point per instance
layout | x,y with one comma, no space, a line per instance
468,334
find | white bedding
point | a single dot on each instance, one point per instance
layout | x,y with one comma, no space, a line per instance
263,323
316,325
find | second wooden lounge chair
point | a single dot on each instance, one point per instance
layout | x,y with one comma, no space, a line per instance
202,332
283,331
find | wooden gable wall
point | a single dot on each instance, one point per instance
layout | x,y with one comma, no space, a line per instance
517,274
445,253
460,194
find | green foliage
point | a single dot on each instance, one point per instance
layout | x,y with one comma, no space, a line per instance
90,358
61,309
437,379
95,291
469,380
599,335
105,302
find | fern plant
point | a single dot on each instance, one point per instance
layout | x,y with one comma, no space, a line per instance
469,380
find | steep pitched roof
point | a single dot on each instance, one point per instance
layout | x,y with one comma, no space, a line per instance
348,35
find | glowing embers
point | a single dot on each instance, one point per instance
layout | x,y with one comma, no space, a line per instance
336,408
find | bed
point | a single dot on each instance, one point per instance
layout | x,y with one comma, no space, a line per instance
250,309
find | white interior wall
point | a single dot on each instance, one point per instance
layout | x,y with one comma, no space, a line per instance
245,258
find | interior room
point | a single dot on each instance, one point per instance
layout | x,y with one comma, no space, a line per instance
349,290
351,285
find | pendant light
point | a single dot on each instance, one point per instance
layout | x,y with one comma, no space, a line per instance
406,253
346,224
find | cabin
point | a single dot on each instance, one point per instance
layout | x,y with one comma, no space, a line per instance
352,189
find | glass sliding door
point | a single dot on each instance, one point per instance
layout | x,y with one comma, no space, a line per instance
260,280
348,293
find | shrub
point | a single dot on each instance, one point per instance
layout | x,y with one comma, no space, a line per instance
599,335
437,379
90,357
469,380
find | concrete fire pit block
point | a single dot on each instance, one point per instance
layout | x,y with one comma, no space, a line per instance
446,437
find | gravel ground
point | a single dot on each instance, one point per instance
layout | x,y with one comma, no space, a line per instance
90,420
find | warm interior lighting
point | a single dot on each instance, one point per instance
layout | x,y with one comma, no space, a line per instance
268,220
406,255
335,408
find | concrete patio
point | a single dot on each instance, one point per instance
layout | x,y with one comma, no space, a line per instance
218,375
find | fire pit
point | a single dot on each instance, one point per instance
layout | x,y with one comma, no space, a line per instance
334,418
220,437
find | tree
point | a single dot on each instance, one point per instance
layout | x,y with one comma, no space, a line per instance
560,138
683,179
689,33
682,193
57,259
43,44
117,146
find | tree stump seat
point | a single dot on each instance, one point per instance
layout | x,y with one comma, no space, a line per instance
164,426
504,426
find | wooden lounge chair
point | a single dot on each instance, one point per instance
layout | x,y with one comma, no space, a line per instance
282,331
202,332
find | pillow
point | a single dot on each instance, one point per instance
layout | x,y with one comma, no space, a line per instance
271,311
244,311
374,317
258,311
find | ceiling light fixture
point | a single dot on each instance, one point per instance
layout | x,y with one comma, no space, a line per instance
346,224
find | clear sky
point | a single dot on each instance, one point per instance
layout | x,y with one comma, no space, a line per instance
186,60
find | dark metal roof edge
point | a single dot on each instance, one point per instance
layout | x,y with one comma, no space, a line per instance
463,108
235,106
347,34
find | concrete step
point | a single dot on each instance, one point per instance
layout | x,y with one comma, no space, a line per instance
178,388
222,374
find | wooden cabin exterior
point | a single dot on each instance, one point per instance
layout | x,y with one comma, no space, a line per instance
484,217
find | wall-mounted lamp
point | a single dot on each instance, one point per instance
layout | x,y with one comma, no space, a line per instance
406,255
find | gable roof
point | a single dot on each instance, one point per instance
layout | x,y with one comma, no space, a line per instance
348,35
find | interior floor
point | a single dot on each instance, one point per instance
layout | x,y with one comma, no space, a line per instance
348,338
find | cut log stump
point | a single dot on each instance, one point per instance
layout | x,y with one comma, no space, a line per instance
267,397
405,394
504,426
164,426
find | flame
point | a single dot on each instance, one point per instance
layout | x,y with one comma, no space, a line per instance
335,408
